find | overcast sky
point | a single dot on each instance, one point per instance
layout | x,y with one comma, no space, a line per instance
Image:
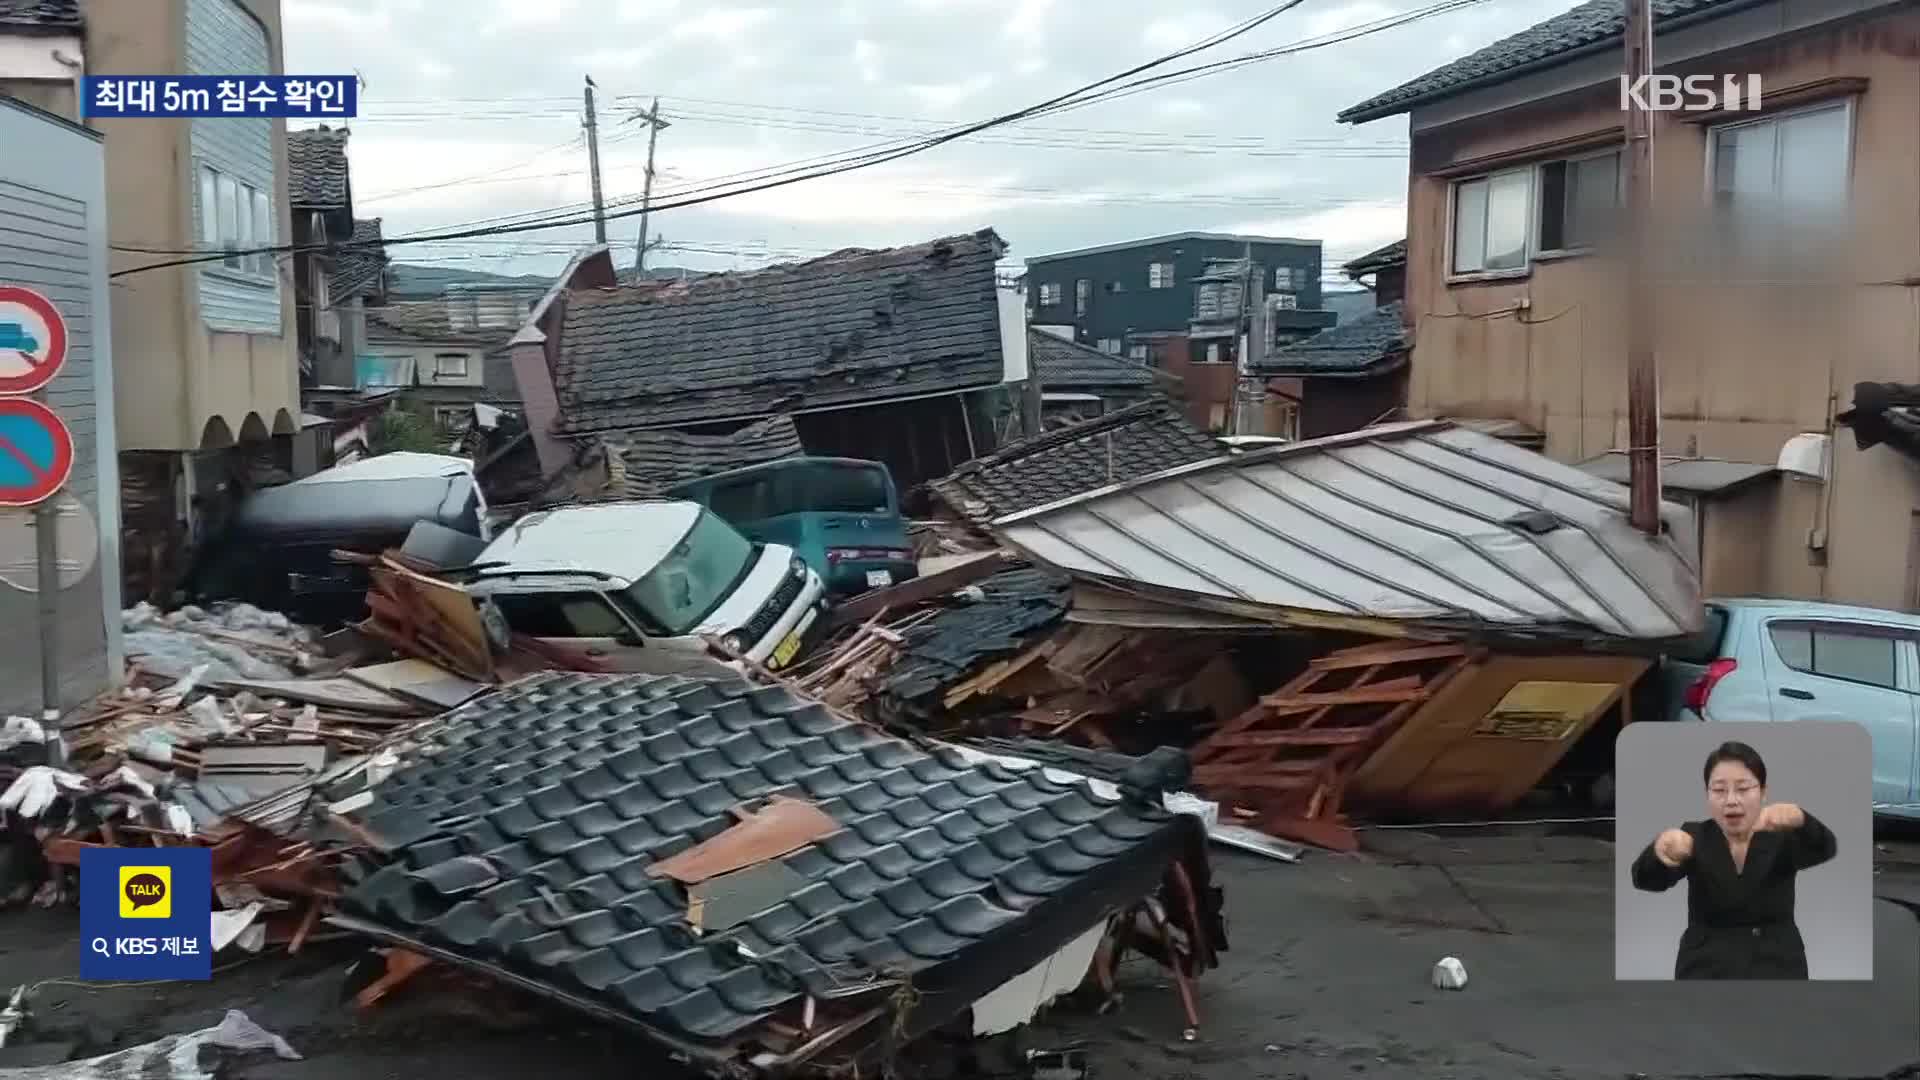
471,112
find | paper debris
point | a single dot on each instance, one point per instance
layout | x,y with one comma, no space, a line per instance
1449,974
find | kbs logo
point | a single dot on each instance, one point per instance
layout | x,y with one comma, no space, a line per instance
146,892
1691,93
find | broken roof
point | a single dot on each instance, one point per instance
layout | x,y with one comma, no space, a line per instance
851,328
1591,27
1063,363
317,169
1414,522
426,321
1394,254
40,16
657,460
1124,445
1358,347
357,270
1014,605
525,843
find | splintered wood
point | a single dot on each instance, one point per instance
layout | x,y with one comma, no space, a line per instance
1291,754
428,618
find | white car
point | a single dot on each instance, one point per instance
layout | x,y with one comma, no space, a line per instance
639,584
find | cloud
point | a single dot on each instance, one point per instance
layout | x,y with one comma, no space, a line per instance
754,86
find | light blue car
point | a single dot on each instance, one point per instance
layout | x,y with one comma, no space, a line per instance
15,337
1761,659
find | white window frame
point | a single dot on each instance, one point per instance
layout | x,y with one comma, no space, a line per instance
1848,105
1532,252
1286,301
1082,295
1110,346
1049,289
1283,279
440,366
1137,352
1156,279
1213,354
242,223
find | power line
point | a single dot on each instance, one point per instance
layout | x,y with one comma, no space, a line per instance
855,160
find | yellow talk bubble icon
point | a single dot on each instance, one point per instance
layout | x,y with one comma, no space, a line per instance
146,892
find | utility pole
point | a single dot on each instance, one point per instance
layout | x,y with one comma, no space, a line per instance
654,127
593,166
1643,369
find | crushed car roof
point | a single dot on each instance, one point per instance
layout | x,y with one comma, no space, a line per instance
617,539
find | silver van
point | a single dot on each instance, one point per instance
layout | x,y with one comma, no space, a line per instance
638,584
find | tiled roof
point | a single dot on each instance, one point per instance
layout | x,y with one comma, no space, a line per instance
938,653
1133,442
1065,364
1394,254
658,459
523,846
1591,26
40,14
317,169
356,272
1350,348
426,321
857,326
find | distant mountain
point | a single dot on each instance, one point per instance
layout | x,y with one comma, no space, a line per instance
409,281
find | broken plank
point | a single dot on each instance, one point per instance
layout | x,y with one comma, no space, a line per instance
1383,694
335,693
996,673
1237,775
1339,661
1310,737
917,591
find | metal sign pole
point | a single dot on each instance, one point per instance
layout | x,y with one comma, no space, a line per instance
46,542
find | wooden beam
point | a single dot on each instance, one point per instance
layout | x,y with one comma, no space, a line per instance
916,591
1340,660
1383,694
1311,737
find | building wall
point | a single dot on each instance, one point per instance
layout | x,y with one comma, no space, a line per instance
1121,301
1337,406
1206,389
1744,365
53,238
188,378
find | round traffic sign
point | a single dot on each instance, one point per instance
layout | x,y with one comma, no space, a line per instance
36,452
76,545
33,340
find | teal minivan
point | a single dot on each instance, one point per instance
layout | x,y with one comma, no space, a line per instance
842,515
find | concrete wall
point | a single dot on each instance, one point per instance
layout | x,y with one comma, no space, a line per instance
53,239
1745,363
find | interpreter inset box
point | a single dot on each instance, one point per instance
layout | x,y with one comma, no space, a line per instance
1743,851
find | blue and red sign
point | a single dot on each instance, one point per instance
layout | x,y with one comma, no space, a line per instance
33,340
36,452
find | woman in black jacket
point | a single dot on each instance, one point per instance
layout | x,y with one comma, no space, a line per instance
1740,868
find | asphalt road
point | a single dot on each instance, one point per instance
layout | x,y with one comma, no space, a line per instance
1327,976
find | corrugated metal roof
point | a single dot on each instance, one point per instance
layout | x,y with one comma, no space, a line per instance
1422,521
1695,476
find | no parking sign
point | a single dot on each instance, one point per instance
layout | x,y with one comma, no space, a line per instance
36,448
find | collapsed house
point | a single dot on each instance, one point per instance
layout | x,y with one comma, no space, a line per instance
753,882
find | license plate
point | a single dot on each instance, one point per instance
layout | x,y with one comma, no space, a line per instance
879,578
784,652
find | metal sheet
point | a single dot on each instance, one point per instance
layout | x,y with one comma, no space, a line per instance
1423,521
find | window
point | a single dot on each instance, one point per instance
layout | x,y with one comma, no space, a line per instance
451,418
1160,275
236,217
1049,293
1213,353
834,489
1504,219
1784,168
561,615
694,577
1082,294
1286,301
450,365
1860,654
1110,345
1283,278
1138,352
1578,198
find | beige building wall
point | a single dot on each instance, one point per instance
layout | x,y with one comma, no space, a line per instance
180,385
1743,365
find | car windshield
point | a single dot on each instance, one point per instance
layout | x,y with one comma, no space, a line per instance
694,577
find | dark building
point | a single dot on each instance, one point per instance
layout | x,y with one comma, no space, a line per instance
1114,293
1353,374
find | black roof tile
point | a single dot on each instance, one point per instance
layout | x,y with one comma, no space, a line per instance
1595,24
32,15
357,271
1137,441
317,169
556,901
1018,604
857,326
1394,254
656,460
1067,364
1350,348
